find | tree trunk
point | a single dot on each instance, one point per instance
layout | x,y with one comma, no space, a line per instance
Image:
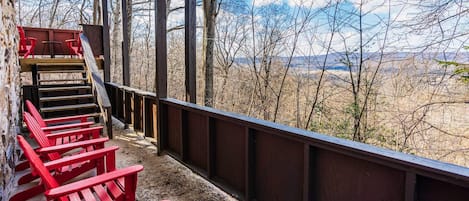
54,12
116,57
96,12
9,95
210,15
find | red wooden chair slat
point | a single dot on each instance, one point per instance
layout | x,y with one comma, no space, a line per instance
74,197
101,192
88,195
65,140
115,189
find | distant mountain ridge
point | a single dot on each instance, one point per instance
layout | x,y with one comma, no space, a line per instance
334,59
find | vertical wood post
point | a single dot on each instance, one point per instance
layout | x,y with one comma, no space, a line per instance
190,50
210,147
250,165
307,172
161,68
184,135
410,182
106,43
125,46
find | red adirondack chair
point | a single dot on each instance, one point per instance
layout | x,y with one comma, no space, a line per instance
74,47
47,128
113,185
46,124
53,153
27,44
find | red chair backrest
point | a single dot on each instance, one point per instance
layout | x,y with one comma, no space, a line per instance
80,48
22,38
33,111
37,166
38,135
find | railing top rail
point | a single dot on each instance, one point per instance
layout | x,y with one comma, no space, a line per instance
137,91
372,153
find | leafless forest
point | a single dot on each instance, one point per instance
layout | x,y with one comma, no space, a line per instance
368,71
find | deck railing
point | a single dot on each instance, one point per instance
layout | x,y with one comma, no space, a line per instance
97,84
260,160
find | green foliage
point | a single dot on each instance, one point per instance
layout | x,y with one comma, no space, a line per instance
462,70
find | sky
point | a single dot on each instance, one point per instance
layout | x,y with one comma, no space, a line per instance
402,35
400,13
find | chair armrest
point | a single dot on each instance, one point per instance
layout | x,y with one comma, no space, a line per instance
85,131
80,157
31,39
68,126
83,118
73,145
87,183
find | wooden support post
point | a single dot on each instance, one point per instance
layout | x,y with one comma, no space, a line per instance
108,113
125,46
106,45
161,68
190,50
161,49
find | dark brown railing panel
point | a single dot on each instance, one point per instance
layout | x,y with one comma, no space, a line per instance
280,157
260,160
355,179
197,142
149,114
135,107
138,112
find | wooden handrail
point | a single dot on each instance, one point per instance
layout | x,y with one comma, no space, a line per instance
97,83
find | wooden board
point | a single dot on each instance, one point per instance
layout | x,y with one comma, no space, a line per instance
27,63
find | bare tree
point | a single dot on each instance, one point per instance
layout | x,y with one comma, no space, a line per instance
231,36
210,17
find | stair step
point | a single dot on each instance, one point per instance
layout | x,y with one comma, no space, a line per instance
48,89
60,98
64,80
61,71
60,64
68,107
97,114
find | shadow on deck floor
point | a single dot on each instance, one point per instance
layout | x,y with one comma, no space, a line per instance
162,177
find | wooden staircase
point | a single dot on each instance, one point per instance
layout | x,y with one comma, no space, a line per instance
64,89
69,86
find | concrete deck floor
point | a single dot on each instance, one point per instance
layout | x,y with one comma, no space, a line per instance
162,177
